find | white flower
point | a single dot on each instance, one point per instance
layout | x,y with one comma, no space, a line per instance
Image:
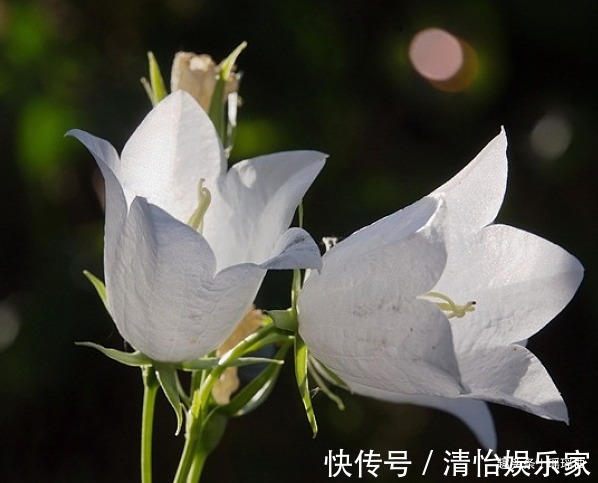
370,315
176,294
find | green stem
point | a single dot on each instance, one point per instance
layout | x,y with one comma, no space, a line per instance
212,430
195,450
188,450
150,389
201,397
198,446
199,458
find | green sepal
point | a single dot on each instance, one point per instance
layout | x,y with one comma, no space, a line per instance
155,88
329,374
226,66
216,111
133,359
319,380
98,285
284,319
301,356
168,379
211,362
258,390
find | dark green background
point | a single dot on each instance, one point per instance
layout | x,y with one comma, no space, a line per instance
327,75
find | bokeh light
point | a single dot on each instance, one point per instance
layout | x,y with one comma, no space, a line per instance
446,61
551,136
9,325
436,54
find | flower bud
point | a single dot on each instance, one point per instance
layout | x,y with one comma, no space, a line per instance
198,74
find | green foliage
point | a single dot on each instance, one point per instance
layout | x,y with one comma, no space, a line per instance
98,285
133,359
258,389
155,88
167,376
301,357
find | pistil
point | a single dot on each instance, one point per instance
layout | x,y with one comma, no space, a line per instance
451,308
204,198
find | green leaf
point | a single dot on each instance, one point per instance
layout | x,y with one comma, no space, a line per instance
148,90
98,285
265,336
168,379
133,359
212,432
211,362
301,355
226,66
330,375
216,111
258,390
155,88
323,386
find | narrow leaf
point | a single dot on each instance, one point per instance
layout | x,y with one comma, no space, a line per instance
168,380
258,390
328,374
324,387
211,362
98,285
303,383
157,82
148,90
216,110
264,337
226,66
133,359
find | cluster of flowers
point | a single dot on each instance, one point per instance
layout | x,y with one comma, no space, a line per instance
431,305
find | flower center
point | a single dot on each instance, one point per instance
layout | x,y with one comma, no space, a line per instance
450,308
204,198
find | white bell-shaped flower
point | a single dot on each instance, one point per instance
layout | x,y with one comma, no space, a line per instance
174,293
433,304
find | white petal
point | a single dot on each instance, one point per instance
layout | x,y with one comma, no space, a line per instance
116,206
295,249
519,281
393,229
360,315
474,196
172,149
513,376
403,346
102,150
402,253
475,414
255,204
166,301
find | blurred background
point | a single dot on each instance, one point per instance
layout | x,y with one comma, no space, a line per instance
401,94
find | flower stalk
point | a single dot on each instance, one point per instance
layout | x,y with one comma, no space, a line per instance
150,390
205,420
